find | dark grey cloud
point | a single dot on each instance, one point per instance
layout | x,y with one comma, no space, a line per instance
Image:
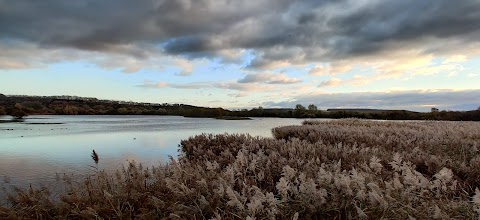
417,100
277,30
375,25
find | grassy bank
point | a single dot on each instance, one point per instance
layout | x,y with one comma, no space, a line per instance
346,169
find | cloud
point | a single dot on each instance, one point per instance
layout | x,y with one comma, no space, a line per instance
150,84
318,71
356,80
185,66
244,88
26,55
330,69
277,57
403,64
417,100
280,32
269,78
23,55
330,83
471,75
238,95
127,64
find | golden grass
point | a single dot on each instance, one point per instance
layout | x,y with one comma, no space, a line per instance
345,169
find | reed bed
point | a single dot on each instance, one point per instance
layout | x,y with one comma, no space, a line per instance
343,169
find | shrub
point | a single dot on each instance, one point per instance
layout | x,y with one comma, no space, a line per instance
2,111
18,111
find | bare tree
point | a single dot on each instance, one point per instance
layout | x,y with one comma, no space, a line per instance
299,107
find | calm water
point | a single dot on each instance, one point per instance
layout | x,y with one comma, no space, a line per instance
34,150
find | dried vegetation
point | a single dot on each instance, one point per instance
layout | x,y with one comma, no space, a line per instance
342,169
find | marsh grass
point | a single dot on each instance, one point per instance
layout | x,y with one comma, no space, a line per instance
345,169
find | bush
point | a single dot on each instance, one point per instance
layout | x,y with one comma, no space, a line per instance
18,111
2,111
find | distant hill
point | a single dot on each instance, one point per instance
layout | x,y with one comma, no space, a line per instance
74,105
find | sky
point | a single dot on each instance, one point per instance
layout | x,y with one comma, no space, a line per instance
387,54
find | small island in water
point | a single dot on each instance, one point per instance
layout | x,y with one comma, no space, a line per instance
233,118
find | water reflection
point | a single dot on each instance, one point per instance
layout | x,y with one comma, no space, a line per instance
33,151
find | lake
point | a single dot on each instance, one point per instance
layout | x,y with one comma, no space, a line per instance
35,150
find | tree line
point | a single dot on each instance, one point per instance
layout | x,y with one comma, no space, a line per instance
20,106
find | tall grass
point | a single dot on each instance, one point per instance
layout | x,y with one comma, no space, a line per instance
345,169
